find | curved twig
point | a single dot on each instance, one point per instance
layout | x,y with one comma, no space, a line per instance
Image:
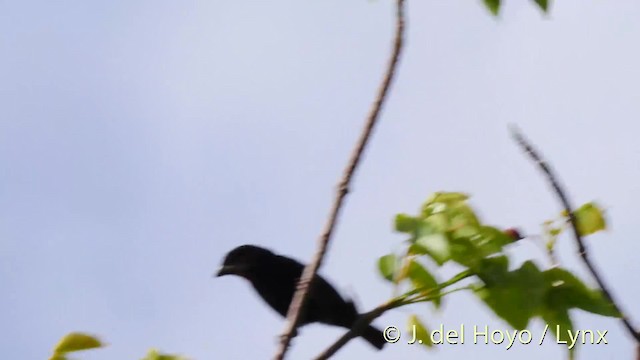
404,299
582,249
362,322
298,303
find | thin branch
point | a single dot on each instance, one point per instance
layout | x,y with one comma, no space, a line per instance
363,321
298,303
582,249
404,299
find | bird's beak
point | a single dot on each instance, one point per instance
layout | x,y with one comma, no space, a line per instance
227,270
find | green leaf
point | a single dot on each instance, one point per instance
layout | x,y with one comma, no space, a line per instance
440,201
530,281
465,231
493,6
77,341
154,354
514,296
415,249
431,239
559,323
493,270
436,245
555,231
543,4
422,334
566,291
448,197
405,223
470,245
464,252
387,266
590,219
550,244
435,223
491,240
461,215
422,278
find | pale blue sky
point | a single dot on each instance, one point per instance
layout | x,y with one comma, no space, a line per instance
141,140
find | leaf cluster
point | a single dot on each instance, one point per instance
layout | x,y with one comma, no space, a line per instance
447,229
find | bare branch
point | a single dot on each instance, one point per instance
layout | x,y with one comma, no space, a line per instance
582,249
306,280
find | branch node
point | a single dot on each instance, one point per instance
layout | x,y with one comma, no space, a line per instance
343,189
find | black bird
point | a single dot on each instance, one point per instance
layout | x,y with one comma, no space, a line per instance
275,278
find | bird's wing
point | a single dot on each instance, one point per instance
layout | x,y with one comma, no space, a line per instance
325,304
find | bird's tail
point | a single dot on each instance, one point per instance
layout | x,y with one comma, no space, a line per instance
374,337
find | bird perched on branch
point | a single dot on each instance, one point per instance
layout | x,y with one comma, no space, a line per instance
275,278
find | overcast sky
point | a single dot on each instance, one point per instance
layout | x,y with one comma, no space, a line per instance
142,140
